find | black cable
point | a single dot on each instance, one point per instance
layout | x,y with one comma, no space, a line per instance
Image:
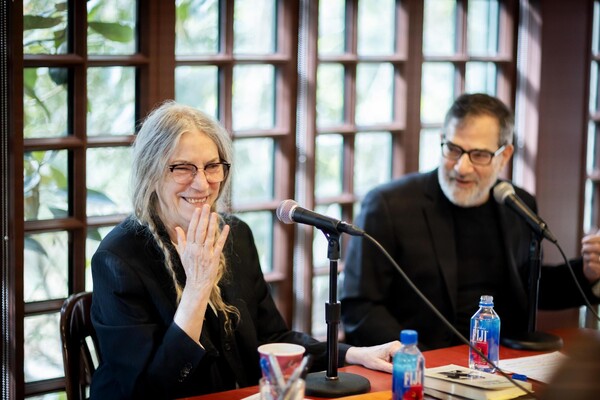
443,319
570,268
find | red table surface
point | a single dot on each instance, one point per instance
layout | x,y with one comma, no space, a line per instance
381,381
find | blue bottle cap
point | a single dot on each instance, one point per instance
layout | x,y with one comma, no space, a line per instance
408,336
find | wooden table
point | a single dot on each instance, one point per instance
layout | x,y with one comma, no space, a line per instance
381,381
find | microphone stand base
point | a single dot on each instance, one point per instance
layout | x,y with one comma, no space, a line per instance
346,384
538,341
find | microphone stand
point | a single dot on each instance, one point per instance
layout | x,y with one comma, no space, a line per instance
533,339
330,383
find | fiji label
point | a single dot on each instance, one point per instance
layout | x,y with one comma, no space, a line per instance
411,386
480,335
480,341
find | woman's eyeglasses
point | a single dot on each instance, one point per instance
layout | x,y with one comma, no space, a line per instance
185,173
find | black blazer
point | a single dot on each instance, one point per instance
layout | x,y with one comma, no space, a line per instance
146,355
413,221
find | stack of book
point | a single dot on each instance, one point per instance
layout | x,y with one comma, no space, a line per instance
453,382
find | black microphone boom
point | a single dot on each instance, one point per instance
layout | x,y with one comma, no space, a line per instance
504,193
289,212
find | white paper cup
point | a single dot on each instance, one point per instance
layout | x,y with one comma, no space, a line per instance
288,355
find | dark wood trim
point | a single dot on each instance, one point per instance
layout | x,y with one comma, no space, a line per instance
44,386
51,60
15,198
77,198
226,69
507,51
562,122
285,150
406,148
156,46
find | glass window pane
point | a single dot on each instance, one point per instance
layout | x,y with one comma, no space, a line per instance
592,204
320,297
591,217
45,102
93,239
108,170
356,207
593,148
49,396
439,27
198,87
332,15
252,170
372,160
250,37
594,88
261,224
480,77
320,242
328,169
45,184
374,93
253,97
46,266
376,27
437,91
596,29
196,27
111,26
588,220
482,27
43,355
430,152
111,101
45,27
330,94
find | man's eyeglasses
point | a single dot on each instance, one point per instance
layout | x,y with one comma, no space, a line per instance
185,173
478,157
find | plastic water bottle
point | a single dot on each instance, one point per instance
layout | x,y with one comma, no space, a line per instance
485,336
409,367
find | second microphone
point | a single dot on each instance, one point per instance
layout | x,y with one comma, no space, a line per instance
290,212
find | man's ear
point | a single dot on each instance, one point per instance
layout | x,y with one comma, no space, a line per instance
507,154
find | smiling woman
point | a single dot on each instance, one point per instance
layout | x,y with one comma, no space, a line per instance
170,283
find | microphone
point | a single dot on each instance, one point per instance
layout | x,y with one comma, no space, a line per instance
289,212
504,193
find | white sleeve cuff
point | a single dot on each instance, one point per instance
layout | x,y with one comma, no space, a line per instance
596,289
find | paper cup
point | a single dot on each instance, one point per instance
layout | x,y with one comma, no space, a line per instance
288,355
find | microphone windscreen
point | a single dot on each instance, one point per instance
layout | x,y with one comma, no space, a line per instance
502,191
284,211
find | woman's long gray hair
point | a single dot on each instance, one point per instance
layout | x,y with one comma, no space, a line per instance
154,145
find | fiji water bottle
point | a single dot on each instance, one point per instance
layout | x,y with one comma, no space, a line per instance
485,336
409,367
